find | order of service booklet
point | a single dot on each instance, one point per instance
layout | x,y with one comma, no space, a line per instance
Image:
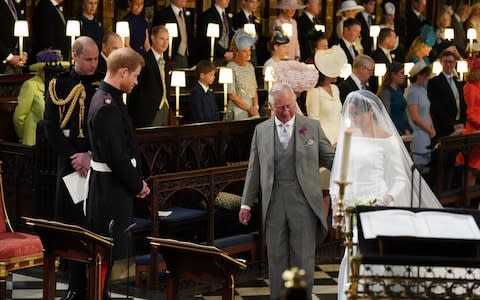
425,224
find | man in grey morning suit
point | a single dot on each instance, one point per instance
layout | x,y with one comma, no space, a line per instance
286,153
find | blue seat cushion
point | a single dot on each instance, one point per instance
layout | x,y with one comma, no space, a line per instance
234,240
180,214
142,223
144,260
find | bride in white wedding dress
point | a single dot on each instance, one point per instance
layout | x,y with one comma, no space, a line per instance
379,166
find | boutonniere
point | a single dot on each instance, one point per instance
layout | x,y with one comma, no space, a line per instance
302,130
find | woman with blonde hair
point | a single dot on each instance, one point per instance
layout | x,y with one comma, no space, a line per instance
421,46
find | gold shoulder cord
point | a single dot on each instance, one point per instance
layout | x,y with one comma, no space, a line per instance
76,94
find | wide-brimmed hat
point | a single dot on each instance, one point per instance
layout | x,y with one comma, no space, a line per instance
289,4
349,5
331,61
419,66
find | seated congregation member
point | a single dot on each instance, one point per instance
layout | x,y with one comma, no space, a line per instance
111,41
287,10
31,101
89,24
421,46
323,104
181,46
138,39
419,111
148,103
362,69
242,93
391,94
115,175
203,104
216,14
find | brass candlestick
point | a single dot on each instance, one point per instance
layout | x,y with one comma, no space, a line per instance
340,214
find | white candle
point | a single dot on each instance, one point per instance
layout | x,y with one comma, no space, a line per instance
347,137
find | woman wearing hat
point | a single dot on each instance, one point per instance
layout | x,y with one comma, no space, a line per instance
278,46
422,45
419,113
348,10
31,101
287,11
391,94
242,92
323,104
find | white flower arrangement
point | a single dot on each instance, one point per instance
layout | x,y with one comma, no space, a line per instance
366,202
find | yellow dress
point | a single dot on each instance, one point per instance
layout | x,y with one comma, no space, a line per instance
29,110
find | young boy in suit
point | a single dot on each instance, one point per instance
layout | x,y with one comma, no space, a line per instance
203,104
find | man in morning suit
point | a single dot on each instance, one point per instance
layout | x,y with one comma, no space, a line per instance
306,24
216,14
362,69
148,103
415,20
111,41
285,155
115,178
66,107
462,13
181,47
247,16
386,43
351,32
447,107
366,20
48,26
10,61
203,103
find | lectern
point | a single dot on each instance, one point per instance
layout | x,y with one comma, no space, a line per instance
197,262
71,242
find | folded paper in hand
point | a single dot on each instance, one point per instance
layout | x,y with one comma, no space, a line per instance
425,224
76,186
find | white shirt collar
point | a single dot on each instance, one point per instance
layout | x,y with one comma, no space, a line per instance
55,3
347,43
290,123
219,9
387,52
175,9
247,13
104,56
416,12
448,76
204,87
309,15
365,15
356,80
156,54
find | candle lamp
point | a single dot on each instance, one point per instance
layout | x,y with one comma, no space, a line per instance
374,32
72,30
178,81
437,67
225,76
462,68
269,77
449,34
406,70
123,30
319,27
287,29
380,70
20,30
471,35
250,29
172,33
213,31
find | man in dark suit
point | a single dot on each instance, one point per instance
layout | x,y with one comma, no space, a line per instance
111,41
48,26
148,103
386,42
181,47
286,152
366,20
306,24
458,24
216,14
351,32
247,16
415,20
362,69
9,61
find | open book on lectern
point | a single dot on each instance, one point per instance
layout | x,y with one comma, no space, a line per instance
424,224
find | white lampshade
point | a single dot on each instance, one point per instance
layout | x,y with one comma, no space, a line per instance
269,74
449,34
462,66
250,29
73,28
380,69
213,30
225,75
287,29
320,27
123,29
437,67
172,29
407,67
21,28
346,71
471,34
374,31
178,78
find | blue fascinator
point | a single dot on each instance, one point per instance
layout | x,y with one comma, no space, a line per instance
427,35
242,40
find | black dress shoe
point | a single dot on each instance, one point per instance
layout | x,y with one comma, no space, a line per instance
73,295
